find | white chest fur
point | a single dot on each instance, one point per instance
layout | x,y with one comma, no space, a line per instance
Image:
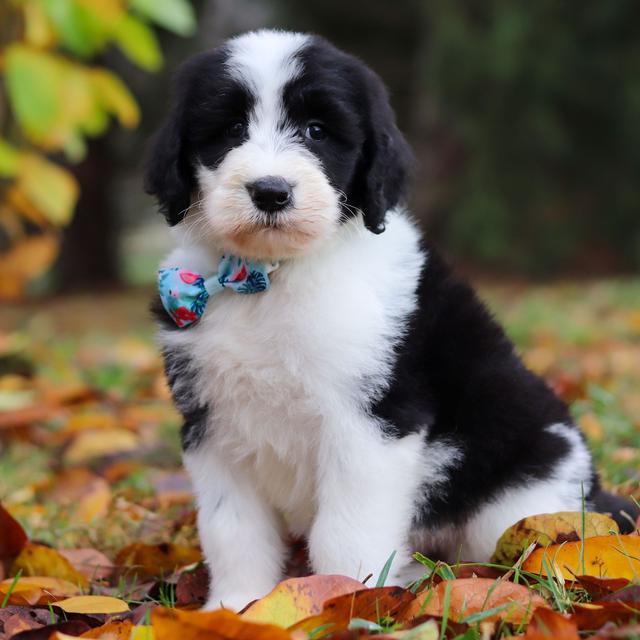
280,368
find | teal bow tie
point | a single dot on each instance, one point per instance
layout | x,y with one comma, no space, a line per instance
184,294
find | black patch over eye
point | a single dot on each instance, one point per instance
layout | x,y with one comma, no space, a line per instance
315,131
236,130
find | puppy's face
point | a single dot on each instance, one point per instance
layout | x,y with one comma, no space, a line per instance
275,139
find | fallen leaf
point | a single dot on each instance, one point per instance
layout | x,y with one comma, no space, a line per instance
470,596
193,586
156,560
38,560
116,630
96,443
298,598
89,494
599,587
169,624
550,624
37,590
91,563
92,604
13,536
594,615
66,629
549,528
604,556
368,604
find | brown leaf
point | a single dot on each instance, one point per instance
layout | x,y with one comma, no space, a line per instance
13,537
69,627
369,604
38,560
593,616
298,598
599,587
193,586
550,624
91,563
169,624
468,596
156,560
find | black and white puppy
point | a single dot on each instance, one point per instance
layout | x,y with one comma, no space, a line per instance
367,400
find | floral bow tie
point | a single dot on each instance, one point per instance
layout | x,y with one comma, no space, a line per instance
184,294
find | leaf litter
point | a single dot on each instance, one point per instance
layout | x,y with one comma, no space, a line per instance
97,525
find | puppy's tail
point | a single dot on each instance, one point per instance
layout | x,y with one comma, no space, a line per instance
624,511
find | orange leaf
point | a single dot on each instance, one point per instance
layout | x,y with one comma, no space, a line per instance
13,536
298,598
369,604
550,624
118,630
468,596
93,604
169,624
156,560
604,556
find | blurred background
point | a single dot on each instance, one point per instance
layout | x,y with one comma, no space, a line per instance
525,122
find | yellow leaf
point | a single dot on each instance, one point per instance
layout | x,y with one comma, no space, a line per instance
95,443
549,528
116,98
37,590
604,557
37,28
9,158
93,604
37,560
24,261
50,188
142,632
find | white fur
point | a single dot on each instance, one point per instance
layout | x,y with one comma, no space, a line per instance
287,373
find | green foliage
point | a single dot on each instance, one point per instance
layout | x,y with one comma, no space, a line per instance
57,100
542,102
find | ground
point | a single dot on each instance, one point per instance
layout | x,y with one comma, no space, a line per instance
89,451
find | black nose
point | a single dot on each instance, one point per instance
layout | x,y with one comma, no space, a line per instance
270,193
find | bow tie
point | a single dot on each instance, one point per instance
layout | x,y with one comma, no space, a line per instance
184,294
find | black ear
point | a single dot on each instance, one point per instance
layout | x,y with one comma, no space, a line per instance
382,175
169,174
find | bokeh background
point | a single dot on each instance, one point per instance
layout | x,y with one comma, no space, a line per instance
525,122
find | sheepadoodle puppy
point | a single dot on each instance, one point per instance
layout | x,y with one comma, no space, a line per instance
337,381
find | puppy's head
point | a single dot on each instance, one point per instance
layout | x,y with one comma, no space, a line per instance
274,140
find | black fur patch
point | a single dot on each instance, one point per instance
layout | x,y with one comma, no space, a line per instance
180,371
458,374
364,154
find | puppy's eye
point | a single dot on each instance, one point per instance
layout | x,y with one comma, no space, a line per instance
315,131
236,130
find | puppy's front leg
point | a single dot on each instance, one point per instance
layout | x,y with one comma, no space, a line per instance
239,533
366,495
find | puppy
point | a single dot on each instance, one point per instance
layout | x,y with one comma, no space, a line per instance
361,396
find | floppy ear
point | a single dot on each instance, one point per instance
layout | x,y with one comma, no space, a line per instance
383,172
169,175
